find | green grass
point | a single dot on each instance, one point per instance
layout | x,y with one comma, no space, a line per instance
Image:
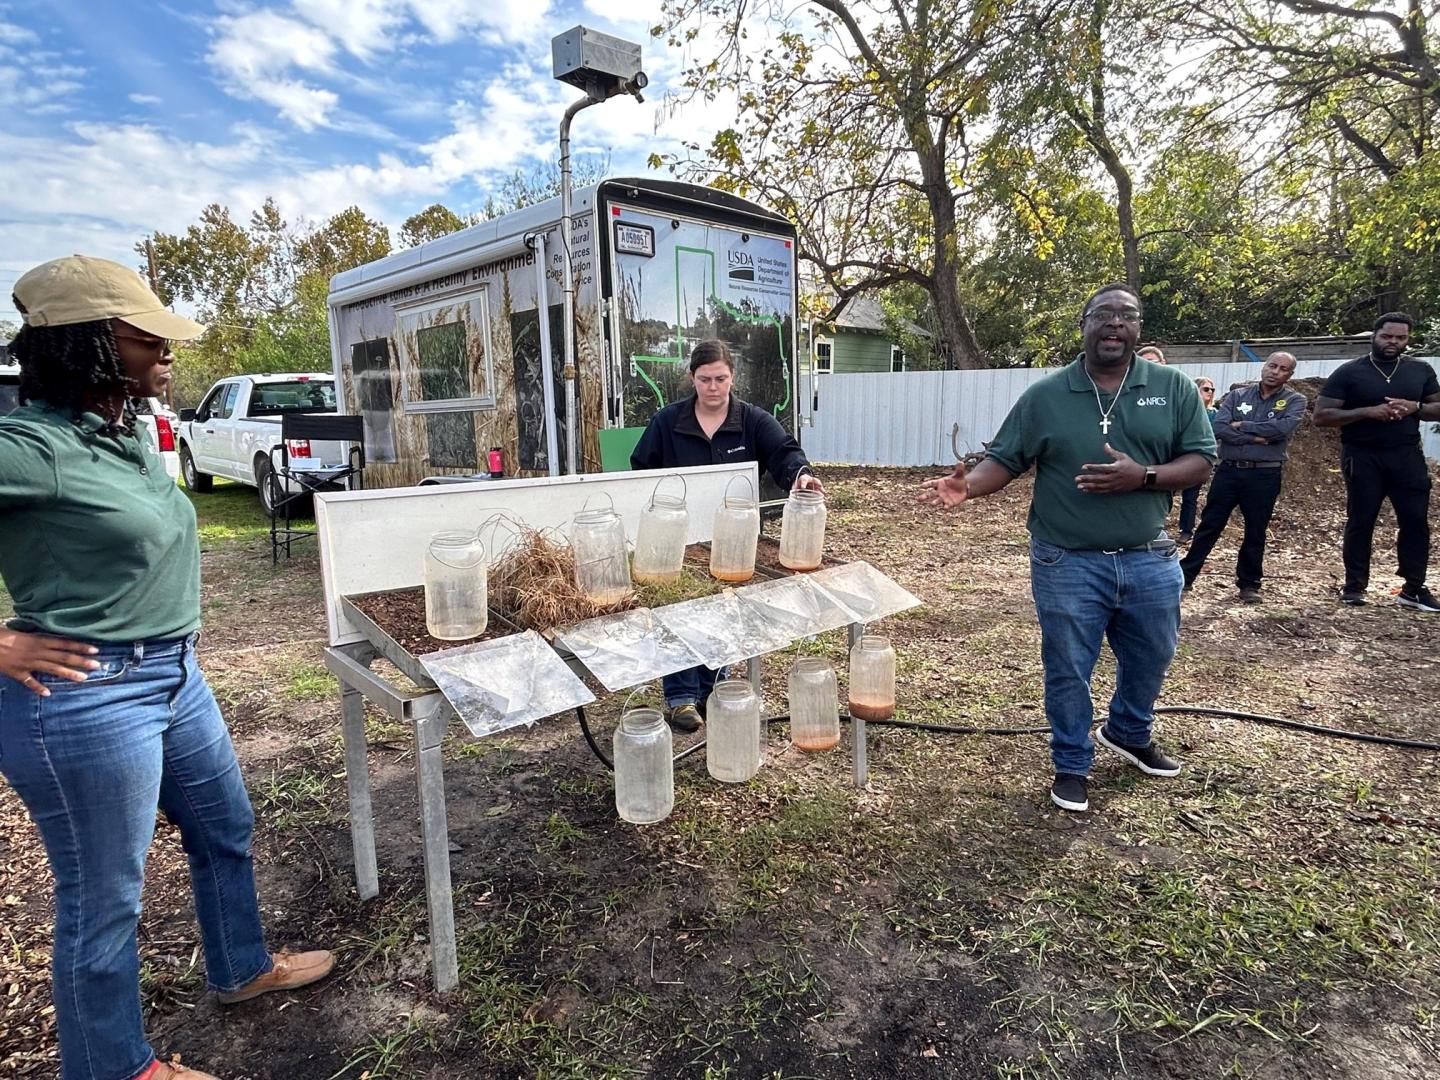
230,512
311,682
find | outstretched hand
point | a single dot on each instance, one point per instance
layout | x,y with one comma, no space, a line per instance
22,655
948,491
1122,474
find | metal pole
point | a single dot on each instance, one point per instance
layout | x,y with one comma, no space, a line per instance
857,726
547,355
572,427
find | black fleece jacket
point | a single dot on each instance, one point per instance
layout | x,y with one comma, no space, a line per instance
673,439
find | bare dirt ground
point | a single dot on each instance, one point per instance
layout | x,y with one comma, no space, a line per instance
1271,913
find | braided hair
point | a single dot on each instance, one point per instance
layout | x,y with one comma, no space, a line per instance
75,367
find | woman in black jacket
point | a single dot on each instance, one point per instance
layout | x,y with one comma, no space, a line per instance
712,428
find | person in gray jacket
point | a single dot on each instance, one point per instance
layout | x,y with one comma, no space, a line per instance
1253,425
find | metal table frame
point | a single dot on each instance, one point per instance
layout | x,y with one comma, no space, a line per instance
429,715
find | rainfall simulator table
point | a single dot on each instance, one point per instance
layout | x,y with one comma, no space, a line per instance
373,541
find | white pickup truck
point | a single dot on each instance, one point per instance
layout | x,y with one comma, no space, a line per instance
235,433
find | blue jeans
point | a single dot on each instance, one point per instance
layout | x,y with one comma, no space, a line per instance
1131,599
92,762
689,687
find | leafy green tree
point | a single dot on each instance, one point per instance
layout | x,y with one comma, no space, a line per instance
345,241
431,223
861,123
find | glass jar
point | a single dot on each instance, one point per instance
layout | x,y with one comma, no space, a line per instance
802,530
872,678
732,725
644,767
602,568
456,586
660,540
814,705
736,534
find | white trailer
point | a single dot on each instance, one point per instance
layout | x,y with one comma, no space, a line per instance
443,352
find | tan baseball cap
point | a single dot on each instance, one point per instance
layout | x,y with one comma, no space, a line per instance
81,289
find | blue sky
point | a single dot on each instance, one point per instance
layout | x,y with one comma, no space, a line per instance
120,119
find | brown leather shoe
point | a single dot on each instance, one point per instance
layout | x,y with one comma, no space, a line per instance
291,971
164,1071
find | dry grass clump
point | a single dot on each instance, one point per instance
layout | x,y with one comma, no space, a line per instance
534,584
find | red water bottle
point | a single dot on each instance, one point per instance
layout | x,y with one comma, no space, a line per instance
497,463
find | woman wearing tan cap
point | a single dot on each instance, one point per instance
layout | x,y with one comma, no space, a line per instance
104,714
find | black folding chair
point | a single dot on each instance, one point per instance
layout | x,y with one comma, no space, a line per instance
295,479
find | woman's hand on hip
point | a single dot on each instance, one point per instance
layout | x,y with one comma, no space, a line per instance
22,655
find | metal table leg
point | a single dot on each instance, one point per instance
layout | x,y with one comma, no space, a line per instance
857,726
435,836
357,784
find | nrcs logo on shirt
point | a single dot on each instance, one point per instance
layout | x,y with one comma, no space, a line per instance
1152,401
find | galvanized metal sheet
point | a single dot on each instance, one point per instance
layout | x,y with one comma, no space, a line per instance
628,648
505,682
853,421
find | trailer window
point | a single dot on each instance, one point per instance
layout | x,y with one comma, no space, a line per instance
445,354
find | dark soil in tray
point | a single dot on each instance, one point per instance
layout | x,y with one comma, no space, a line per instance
401,614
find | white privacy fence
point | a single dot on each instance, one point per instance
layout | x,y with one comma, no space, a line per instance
927,417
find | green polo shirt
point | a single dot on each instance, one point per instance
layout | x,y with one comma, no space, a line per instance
1055,427
96,541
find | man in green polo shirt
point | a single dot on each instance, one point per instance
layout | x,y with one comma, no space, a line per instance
1110,437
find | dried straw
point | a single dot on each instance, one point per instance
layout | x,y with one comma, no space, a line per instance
534,584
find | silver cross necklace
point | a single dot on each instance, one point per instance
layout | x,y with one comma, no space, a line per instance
1105,420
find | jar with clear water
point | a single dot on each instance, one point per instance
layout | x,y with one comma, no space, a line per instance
814,705
732,731
602,565
644,767
802,530
660,539
735,536
456,586
872,678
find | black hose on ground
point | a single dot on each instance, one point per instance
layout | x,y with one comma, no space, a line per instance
784,718
1300,725
952,729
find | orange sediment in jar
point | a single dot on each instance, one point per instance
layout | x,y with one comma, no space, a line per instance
864,710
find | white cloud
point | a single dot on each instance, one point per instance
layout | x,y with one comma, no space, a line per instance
253,54
10,34
144,99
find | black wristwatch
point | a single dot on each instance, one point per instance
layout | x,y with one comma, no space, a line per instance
1151,476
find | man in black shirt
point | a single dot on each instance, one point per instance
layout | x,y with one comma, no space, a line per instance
1378,402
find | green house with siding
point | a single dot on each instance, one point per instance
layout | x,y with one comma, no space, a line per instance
857,340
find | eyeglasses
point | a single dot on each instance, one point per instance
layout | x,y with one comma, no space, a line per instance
1105,314
154,344
1207,389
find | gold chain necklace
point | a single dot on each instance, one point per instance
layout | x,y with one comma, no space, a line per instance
1382,374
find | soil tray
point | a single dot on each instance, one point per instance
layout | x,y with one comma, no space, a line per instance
394,622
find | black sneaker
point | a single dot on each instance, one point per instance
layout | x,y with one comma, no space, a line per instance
1249,596
1419,599
1068,792
1353,597
684,718
1185,537
1148,759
